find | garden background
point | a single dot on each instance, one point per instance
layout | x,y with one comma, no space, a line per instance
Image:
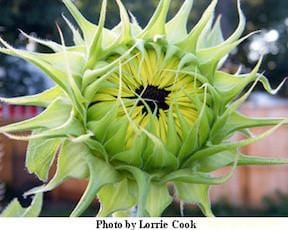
257,191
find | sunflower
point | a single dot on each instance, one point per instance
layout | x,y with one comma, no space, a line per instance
135,110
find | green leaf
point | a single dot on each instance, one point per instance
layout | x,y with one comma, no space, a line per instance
173,142
189,144
226,46
143,183
71,129
156,156
92,79
71,163
42,99
156,25
191,176
195,194
240,28
97,149
40,155
223,49
126,33
211,150
216,161
115,142
199,132
77,38
176,28
213,37
14,209
50,44
236,122
75,95
230,86
76,60
227,158
96,43
158,199
190,42
101,174
57,113
115,197
133,156
264,81
258,160
210,58
87,27
100,127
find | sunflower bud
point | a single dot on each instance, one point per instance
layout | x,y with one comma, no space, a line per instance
136,108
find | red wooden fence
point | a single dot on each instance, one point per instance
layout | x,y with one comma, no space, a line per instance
17,112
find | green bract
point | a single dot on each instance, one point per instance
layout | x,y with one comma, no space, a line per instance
135,109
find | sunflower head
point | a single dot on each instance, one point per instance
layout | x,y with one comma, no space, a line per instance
135,109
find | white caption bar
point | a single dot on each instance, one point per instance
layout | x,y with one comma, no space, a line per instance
143,223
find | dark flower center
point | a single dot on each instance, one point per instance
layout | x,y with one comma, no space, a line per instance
154,98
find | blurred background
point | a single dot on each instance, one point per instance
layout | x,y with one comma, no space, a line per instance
253,191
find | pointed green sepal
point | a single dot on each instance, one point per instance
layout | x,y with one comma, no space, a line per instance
43,99
101,174
115,197
57,113
126,32
158,199
191,41
40,155
176,28
87,27
195,194
156,25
